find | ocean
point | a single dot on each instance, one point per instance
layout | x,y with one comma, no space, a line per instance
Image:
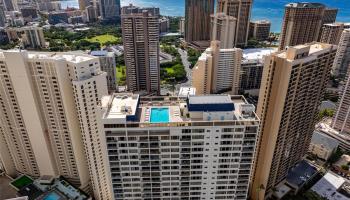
262,9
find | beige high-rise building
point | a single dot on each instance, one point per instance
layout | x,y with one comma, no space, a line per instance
260,30
292,87
140,28
341,121
223,30
241,10
197,20
342,58
48,118
331,33
39,117
217,70
303,22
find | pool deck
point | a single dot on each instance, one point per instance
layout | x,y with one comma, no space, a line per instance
174,113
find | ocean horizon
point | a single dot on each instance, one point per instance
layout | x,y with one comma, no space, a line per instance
271,10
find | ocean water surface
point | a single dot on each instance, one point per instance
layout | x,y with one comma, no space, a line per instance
262,9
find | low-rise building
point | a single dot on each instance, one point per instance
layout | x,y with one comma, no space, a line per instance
329,187
343,139
58,17
47,187
343,165
322,145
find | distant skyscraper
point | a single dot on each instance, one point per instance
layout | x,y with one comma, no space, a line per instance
241,10
39,116
109,9
260,30
10,5
2,16
83,4
107,63
31,36
303,22
197,20
342,58
91,13
330,15
140,27
341,121
202,147
292,87
217,70
331,33
223,30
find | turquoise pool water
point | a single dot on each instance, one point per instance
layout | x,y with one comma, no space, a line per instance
52,196
159,115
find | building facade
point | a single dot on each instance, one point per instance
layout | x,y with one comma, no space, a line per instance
223,30
341,121
322,146
342,58
217,70
251,69
199,148
197,20
31,36
39,117
140,27
241,10
331,33
108,65
330,15
260,30
292,87
302,23
109,9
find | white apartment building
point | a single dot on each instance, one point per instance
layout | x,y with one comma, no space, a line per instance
48,103
342,58
200,147
251,69
217,70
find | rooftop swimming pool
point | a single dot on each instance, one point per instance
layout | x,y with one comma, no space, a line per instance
159,115
52,196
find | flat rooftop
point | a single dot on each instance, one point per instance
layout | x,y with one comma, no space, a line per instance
131,108
300,174
305,5
186,91
73,57
314,48
328,187
257,53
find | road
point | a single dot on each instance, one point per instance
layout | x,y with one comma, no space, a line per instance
165,89
186,64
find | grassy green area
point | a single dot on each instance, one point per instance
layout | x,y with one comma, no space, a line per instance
21,182
105,39
169,70
121,75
